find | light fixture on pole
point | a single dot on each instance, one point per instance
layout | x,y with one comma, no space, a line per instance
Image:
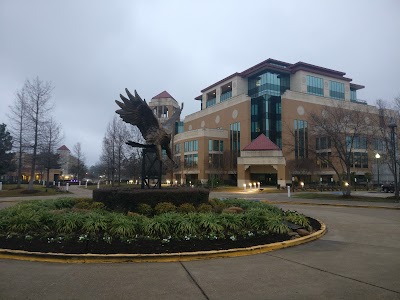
392,127
377,156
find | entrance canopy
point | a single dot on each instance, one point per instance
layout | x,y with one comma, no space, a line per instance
261,156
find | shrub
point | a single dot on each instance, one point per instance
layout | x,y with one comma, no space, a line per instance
94,222
87,203
217,205
204,208
128,199
122,226
186,208
69,222
164,207
298,219
144,209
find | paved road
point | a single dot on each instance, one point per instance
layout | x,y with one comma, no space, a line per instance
358,258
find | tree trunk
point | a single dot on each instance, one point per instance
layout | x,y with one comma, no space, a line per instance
33,166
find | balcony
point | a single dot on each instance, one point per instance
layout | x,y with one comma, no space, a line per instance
360,101
225,96
211,102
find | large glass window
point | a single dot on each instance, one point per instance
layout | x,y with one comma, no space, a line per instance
315,85
177,148
353,95
178,127
336,90
265,91
323,143
191,146
215,145
215,160
190,161
234,137
301,138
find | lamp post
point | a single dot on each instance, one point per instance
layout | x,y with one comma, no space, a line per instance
377,156
392,127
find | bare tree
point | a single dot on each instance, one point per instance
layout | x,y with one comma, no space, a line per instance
18,128
115,148
51,138
345,129
38,107
79,165
388,113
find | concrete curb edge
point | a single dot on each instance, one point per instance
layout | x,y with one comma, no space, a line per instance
330,204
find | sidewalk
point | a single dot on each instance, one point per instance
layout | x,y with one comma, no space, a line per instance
75,192
282,198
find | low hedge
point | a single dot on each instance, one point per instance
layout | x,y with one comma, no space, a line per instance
127,200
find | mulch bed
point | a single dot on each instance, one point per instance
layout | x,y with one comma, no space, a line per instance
141,246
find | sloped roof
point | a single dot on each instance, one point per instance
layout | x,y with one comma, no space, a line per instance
63,147
261,143
163,94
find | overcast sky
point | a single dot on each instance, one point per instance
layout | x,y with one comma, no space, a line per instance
92,50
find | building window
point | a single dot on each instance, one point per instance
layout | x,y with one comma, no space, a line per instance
234,139
178,127
215,160
226,92
379,145
177,148
211,98
301,139
359,160
323,158
191,146
336,90
323,143
190,161
215,145
315,85
353,95
356,142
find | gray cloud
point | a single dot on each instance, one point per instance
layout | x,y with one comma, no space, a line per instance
92,50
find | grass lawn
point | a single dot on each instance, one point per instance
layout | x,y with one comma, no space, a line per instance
321,196
11,190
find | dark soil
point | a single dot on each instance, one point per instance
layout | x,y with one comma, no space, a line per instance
138,246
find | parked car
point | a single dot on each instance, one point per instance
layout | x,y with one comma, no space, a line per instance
387,187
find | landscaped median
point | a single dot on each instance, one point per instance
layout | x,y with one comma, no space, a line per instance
81,230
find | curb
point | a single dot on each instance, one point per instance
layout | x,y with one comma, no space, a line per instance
167,257
330,204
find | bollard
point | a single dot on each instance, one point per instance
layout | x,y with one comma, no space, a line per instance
1,186
44,183
67,187
288,191
54,183
86,184
79,183
98,184
59,184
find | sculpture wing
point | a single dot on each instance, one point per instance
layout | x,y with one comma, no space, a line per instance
135,111
169,125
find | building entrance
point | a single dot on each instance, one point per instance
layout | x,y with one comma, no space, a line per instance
265,179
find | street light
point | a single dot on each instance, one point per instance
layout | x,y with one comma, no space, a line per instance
377,156
392,127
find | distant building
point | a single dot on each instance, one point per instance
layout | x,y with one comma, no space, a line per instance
238,133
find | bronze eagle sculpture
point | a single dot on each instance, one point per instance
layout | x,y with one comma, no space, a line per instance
135,111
